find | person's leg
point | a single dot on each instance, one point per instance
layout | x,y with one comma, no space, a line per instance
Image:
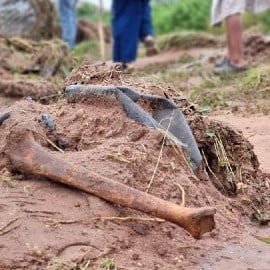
73,23
147,30
234,40
125,25
146,27
67,12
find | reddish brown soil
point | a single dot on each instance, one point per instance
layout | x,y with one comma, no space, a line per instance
24,87
45,225
257,129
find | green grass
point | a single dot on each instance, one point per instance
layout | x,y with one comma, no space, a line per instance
186,40
86,48
108,264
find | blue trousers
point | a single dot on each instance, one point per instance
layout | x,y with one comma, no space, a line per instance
68,20
131,22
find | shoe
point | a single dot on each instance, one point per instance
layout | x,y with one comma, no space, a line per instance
226,67
150,46
221,62
127,68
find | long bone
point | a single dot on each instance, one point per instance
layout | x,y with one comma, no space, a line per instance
29,157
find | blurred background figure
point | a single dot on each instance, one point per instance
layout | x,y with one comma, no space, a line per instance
68,20
147,32
230,11
131,22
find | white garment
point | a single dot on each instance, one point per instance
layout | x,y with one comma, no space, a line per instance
224,8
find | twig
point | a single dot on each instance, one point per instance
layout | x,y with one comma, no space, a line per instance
177,148
55,223
11,229
182,193
60,250
160,155
85,267
222,156
9,223
131,218
118,157
211,171
257,210
53,144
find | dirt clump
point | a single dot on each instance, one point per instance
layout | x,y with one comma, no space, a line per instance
95,73
256,44
45,58
29,68
29,88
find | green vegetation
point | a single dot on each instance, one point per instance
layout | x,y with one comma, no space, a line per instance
89,12
108,264
264,20
185,40
249,90
85,48
173,15
181,15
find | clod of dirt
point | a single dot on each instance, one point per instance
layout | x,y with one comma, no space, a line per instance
95,73
27,88
256,44
46,58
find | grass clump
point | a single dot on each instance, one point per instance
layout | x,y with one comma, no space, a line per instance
250,90
90,48
185,40
108,264
256,82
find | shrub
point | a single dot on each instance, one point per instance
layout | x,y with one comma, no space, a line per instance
181,15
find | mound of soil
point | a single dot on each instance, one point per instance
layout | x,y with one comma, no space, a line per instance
47,225
95,73
89,31
256,44
189,40
27,67
27,88
230,161
45,58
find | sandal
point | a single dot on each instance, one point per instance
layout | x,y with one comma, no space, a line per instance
221,62
225,67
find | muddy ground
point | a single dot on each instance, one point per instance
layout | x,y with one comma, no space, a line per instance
45,225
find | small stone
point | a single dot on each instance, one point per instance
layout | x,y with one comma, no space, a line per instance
80,114
135,257
77,204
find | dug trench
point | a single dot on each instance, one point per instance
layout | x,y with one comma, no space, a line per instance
45,225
